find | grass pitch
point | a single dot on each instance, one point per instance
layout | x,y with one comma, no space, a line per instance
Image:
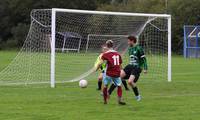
178,100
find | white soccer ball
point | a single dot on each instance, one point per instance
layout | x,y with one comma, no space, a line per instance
83,83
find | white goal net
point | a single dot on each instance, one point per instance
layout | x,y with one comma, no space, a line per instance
62,44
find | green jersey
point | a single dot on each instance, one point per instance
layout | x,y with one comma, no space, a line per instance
137,57
103,65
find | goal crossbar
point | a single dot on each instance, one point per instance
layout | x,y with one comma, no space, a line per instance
110,13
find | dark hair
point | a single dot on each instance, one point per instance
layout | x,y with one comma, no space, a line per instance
109,43
132,38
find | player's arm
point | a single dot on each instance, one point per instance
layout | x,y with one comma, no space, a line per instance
98,63
144,60
120,61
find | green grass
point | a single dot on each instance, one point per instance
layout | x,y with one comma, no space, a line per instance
178,100
29,67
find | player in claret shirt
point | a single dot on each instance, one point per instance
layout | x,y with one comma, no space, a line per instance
113,67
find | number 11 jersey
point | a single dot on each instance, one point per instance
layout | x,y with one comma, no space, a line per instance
113,61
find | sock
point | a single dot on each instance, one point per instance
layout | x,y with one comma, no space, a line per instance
119,91
112,87
99,85
125,84
135,90
105,94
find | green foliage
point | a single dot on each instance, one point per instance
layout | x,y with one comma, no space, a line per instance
15,14
19,33
184,12
140,6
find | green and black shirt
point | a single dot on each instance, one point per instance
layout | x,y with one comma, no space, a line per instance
137,57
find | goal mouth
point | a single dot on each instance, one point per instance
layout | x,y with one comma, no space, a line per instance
62,44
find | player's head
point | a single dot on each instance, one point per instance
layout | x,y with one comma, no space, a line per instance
104,48
132,40
109,44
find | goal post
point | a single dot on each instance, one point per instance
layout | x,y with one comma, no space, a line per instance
38,61
169,72
53,41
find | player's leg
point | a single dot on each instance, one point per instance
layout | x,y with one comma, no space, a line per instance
112,87
132,82
118,82
135,89
100,78
106,81
124,74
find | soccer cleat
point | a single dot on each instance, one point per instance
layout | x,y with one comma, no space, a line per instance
138,98
121,103
98,89
127,89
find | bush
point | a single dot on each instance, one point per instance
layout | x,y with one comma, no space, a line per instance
19,35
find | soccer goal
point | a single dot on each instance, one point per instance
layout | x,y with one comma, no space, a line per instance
191,41
63,45
81,33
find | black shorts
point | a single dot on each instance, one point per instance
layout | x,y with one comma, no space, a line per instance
102,70
132,70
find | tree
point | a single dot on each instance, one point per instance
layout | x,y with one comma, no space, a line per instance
15,15
183,12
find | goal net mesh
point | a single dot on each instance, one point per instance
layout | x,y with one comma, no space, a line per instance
78,41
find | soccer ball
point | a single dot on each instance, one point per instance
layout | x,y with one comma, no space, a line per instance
83,83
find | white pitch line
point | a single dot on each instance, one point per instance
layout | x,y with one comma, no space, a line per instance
176,95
